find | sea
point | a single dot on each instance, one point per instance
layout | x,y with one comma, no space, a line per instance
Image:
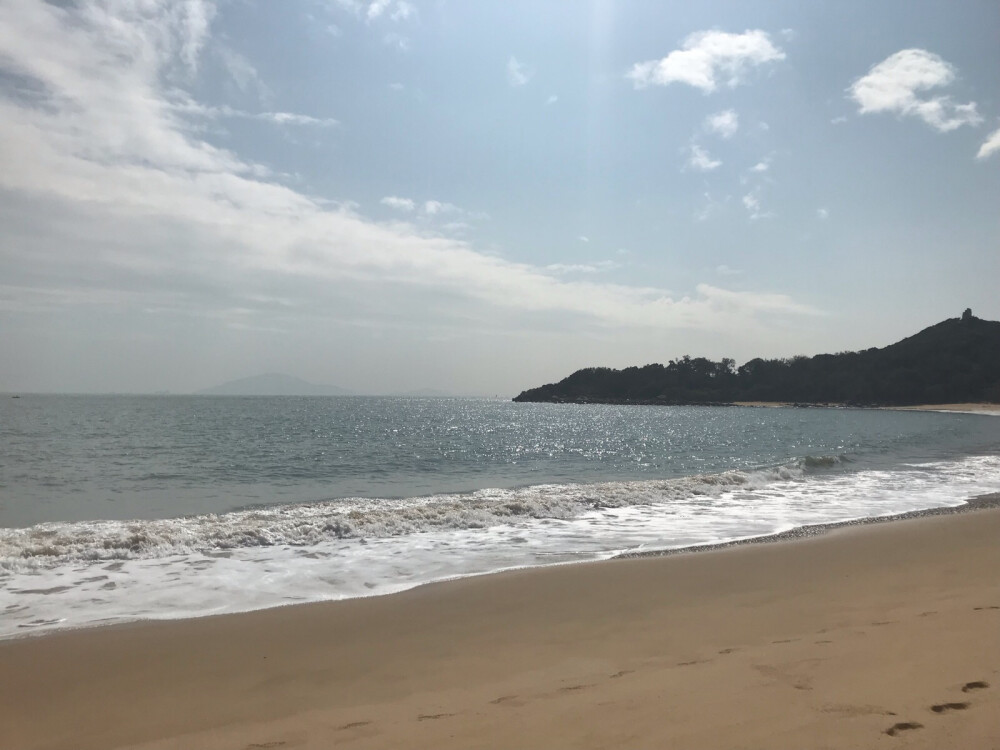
122,508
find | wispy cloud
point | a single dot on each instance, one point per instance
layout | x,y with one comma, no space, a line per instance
242,73
562,268
701,160
191,108
372,11
518,73
708,59
752,203
990,146
898,85
400,204
724,124
822,213
429,208
400,10
394,39
433,208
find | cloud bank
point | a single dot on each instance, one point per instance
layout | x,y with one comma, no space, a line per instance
103,135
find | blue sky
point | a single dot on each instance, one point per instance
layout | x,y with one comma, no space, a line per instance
481,197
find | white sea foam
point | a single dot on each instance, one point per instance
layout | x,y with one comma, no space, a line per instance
73,574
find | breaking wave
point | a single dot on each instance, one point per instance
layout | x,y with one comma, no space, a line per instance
310,524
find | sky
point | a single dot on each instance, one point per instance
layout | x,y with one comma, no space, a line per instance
482,197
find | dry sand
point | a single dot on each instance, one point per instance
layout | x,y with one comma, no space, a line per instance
881,636
967,408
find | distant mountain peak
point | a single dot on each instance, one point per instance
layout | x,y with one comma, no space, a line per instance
273,384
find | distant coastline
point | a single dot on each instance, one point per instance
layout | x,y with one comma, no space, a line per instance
956,361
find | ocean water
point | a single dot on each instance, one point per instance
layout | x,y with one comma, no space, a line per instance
121,508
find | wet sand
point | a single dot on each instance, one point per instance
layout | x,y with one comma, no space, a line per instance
882,635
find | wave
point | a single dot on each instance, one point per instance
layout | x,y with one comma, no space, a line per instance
57,575
358,518
824,462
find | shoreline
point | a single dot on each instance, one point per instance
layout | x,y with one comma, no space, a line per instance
980,502
976,503
840,635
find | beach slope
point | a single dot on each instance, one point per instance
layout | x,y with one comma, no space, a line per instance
883,636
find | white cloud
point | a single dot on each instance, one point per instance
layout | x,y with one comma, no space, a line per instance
377,8
724,270
242,72
896,84
373,10
429,208
752,203
400,204
291,118
838,120
724,124
708,58
604,265
400,42
118,185
583,238
822,213
990,146
188,107
433,208
517,72
552,99
762,166
352,6
403,11
701,160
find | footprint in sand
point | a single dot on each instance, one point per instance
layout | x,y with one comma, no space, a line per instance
903,726
941,708
353,725
977,685
575,687
624,672
853,710
425,717
512,700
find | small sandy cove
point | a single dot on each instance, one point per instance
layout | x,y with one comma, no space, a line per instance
880,636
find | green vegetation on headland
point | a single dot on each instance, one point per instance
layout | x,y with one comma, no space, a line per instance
957,360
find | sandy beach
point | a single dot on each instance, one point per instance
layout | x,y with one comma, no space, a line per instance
883,635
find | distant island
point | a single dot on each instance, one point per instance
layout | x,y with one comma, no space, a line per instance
957,360
273,384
